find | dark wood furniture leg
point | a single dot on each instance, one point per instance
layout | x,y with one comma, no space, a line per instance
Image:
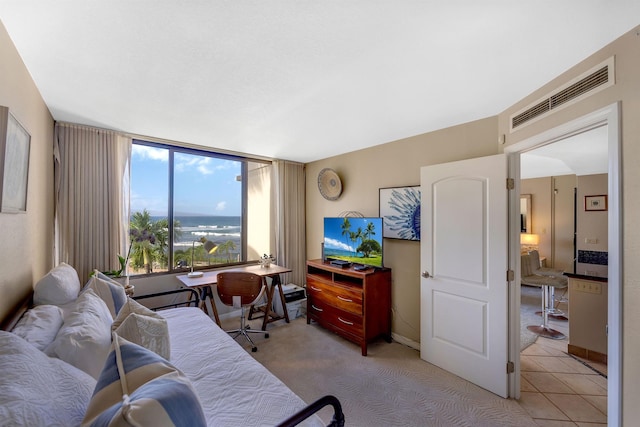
268,314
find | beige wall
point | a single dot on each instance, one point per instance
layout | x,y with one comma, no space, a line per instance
26,251
626,50
397,163
552,217
592,231
540,190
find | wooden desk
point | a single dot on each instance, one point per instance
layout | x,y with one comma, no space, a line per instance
204,284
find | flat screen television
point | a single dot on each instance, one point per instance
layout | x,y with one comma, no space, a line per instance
355,240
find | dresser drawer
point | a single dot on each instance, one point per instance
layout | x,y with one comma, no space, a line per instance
337,296
336,318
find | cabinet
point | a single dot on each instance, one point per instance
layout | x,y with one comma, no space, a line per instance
354,304
588,317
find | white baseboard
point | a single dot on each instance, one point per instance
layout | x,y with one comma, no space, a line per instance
406,341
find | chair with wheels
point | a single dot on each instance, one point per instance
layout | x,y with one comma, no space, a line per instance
241,290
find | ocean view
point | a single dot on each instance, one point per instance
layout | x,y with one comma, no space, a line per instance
218,229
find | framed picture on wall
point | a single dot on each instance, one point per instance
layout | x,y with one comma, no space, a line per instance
400,212
15,144
595,203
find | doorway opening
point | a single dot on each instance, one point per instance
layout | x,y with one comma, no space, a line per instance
609,119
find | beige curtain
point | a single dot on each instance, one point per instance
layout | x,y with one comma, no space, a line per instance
289,198
91,197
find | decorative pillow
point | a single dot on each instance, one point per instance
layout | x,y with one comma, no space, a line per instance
59,286
36,390
138,387
139,325
39,325
85,337
110,291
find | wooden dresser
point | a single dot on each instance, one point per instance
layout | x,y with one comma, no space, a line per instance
354,304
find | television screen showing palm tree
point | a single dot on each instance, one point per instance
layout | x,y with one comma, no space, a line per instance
356,240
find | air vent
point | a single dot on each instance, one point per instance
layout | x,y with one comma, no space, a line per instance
594,80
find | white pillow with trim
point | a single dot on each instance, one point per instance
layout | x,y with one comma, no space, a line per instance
139,325
110,291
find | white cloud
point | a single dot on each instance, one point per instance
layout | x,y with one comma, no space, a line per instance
221,206
152,153
336,244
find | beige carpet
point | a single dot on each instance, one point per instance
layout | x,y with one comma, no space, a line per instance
392,386
530,303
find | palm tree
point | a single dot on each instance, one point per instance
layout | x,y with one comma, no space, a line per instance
226,248
143,239
355,236
161,231
346,229
369,231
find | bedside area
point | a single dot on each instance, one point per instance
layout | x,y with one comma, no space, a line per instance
588,311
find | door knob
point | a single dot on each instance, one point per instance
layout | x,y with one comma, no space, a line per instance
425,274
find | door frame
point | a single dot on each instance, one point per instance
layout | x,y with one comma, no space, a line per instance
610,116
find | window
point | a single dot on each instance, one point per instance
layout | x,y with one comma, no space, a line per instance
182,199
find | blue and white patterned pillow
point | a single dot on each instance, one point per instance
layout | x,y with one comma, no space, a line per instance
138,387
110,291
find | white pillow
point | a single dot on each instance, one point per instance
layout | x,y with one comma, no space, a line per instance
36,390
138,387
39,325
139,325
85,337
59,286
110,291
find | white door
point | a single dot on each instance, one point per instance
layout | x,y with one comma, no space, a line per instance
463,251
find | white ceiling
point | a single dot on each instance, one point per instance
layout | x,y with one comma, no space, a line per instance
299,79
583,154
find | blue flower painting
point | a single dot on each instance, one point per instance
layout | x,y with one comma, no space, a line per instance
400,210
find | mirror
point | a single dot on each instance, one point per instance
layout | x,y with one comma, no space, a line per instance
525,213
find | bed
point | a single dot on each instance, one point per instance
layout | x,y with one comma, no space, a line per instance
52,376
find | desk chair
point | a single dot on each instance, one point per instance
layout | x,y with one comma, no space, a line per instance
240,290
546,283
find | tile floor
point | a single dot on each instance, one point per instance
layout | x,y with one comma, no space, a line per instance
559,390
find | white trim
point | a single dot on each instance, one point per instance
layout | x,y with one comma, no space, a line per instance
406,341
610,116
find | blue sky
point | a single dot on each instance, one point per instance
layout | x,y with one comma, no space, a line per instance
203,185
333,237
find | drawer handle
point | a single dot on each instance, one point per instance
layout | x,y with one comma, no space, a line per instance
315,289
344,321
316,308
344,299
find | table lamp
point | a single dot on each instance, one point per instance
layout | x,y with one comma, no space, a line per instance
528,242
209,246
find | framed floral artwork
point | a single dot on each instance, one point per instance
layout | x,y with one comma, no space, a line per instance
400,212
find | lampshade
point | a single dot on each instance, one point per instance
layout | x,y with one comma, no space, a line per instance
529,239
209,246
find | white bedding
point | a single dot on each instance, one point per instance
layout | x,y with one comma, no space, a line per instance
235,390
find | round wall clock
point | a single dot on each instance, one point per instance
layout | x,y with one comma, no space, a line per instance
329,184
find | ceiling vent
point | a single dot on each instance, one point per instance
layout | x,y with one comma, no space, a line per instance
594,80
